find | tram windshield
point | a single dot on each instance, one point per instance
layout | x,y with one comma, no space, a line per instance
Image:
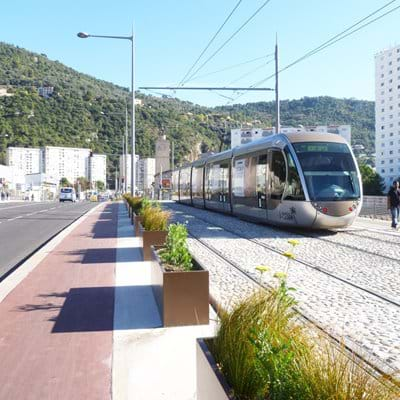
329,171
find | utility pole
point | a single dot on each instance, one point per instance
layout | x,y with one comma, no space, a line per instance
278,117
172,155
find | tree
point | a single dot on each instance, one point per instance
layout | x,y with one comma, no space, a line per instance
64,182
100,185
83,182
373,184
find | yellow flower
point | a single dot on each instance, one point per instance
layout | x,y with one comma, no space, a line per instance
288,254
263,268
294,242
280,275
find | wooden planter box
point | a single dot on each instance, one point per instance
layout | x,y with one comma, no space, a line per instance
210,382
182,297
151,238
136,219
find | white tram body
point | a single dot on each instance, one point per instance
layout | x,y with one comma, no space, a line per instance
298,180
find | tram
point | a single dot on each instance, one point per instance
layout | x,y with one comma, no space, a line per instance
303,180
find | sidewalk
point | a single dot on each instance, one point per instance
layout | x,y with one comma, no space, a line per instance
84,324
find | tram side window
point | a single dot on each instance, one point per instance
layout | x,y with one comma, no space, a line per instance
185,183
197,182
261,173
225,180
216,176
244,181
207,182
277,175
293,189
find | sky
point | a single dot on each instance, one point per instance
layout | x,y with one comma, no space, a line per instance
171,34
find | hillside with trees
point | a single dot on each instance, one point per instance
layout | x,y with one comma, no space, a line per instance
86,112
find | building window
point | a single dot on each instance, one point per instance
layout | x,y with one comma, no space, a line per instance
391,169
383,136
383,127
391,152
382,101
391,134
383,92
391,80
382,171
382,84
391,144
382,75
382,162
391,125
390,63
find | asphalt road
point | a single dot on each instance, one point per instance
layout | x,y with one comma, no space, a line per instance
26,226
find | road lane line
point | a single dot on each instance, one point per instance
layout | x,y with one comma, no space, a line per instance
23,205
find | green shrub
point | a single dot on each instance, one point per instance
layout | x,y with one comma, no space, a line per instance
176,252
155,219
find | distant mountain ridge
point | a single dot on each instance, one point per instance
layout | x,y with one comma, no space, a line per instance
87,112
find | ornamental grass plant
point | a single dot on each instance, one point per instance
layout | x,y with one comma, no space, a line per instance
265,354
134,202
155,219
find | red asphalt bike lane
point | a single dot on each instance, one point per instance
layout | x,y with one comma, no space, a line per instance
56,326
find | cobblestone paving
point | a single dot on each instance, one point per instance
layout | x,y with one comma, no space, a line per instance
361,319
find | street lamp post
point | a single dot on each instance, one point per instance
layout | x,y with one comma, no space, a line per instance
84,35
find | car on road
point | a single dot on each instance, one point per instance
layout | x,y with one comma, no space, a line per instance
67,194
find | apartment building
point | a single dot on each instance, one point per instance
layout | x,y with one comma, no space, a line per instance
66,162
97,168
387,114
127,161
59,162
146,169
28,160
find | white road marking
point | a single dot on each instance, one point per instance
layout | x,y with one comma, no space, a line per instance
12,219
23,205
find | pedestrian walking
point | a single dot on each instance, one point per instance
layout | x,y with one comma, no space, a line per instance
393,199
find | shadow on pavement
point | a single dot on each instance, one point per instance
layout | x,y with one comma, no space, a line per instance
104,255
92,309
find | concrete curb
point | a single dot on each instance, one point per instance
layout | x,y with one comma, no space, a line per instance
23,270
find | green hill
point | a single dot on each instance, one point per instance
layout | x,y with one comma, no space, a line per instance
87,112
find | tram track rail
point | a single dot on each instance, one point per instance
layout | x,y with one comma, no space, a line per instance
306,263
347,246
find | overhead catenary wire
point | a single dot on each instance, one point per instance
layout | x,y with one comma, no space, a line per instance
210,42
338,37
266,56
227,41
250,72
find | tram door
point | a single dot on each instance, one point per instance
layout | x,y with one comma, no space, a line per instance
276,180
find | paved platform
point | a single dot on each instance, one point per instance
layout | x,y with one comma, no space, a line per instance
82,322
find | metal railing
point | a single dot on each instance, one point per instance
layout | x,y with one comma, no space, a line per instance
375,207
